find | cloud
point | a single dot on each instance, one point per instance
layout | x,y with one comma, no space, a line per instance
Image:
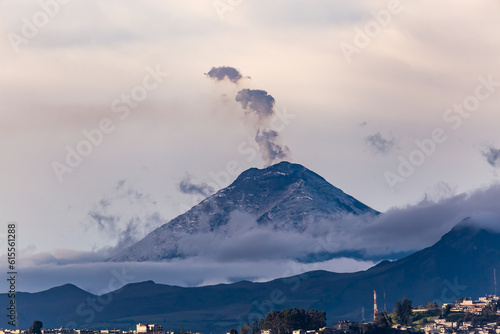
96,277
243,249
380,144
186,186
125,216
225,72
492,156
256,100
398,231
418,226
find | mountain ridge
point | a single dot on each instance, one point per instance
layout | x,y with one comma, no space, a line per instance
285,196
460,264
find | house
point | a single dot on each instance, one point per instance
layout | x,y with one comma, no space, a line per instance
345,325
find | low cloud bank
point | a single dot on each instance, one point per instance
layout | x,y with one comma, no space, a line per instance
103,277
243,250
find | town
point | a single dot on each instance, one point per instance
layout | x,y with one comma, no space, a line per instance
465,316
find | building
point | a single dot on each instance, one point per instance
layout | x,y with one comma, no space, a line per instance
141,328
155,329
148,329
63,330
85,331
345,325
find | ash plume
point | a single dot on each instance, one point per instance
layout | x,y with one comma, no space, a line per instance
260,103
187,186
256,100
126,215
272,152
223,72
492,156
380,144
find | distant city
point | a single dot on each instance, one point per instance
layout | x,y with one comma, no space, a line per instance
465,316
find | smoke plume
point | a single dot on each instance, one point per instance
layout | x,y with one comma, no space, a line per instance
223,72
492,156
187,186
272,152
256,100
380,144
260,103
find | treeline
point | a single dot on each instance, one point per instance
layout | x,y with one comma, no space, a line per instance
287,320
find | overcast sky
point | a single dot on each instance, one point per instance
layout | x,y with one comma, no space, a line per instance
356,85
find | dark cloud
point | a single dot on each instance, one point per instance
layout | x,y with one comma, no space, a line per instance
380,144
186,186
256,100
223,72
272,152
492,156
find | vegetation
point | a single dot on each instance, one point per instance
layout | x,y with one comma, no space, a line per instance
36,327
246,329
285,321
382,319
368,328
403,312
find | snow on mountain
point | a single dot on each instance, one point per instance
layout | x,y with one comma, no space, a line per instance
282,197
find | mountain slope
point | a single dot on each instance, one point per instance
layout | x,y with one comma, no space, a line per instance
285,196
460,264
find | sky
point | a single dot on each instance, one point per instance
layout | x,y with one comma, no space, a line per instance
394,102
